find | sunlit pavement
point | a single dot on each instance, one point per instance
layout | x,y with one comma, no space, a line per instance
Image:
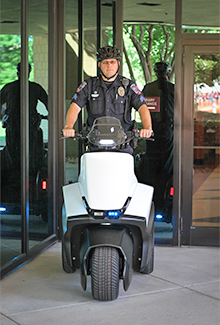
182,290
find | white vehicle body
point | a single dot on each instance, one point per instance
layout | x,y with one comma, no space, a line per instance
106,180
108,221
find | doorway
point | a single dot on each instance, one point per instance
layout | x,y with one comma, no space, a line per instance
201,145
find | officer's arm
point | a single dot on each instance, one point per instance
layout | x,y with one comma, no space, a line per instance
146,121
71,119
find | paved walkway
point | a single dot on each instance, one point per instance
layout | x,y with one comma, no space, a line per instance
184,289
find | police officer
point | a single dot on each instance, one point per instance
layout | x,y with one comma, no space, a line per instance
157,165
108,94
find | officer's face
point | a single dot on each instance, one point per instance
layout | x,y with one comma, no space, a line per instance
109,67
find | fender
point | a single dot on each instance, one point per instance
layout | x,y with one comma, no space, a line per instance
107,236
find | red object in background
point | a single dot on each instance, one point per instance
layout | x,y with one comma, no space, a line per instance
44,185
171,191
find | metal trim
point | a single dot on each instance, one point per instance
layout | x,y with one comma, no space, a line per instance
24,126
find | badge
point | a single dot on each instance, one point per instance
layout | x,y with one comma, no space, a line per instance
83,84
121,91
95,94
135,89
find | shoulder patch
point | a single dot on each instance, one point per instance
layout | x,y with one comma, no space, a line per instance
135,89
81,86
75,96
142,99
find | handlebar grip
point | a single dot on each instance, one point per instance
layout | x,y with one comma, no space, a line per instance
77,135
43,117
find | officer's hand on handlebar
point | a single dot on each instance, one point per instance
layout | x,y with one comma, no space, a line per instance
68,132
145,133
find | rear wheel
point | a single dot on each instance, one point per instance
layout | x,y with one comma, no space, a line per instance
65,265
150,265
105,273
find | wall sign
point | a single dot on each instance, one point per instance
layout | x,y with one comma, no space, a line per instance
153,104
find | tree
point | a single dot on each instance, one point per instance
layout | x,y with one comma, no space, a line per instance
146,44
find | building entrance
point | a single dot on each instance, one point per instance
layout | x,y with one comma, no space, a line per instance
201,146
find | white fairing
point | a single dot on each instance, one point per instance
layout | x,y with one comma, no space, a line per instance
140,204
73,200
107,179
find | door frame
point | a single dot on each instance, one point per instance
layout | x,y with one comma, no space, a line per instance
193,235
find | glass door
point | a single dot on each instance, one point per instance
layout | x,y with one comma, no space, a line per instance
27,215
204,137
206,150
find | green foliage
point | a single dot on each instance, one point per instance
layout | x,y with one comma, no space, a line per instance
10,53
110,37
134,60
159,45
10,56
154,47
207,68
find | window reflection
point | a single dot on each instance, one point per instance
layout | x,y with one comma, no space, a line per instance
10,136
206,142
39,214
10,149
72,53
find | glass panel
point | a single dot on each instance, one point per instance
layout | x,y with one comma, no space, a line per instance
206,173
71,25
154,159
10,49
157,164
90,39
38,123
90,44
107,23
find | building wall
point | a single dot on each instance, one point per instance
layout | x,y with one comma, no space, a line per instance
40,49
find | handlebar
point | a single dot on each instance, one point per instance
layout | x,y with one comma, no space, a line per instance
131,135
82,135
43,117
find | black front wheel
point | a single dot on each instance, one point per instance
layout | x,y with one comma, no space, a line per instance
105,273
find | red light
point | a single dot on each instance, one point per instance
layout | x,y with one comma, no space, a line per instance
171,191
44,185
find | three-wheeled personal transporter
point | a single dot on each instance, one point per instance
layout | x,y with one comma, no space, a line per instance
108,217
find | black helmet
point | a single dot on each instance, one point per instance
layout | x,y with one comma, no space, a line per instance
162,68
108,52
18,67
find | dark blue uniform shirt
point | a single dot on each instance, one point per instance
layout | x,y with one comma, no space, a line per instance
103,101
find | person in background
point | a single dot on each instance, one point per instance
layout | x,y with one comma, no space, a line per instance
157,165
10,101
